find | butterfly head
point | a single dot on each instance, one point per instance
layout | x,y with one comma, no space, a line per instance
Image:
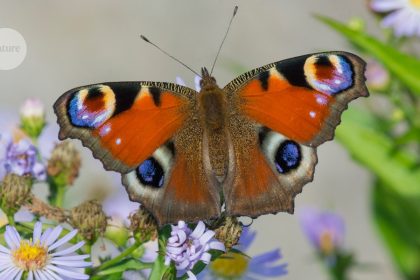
207,82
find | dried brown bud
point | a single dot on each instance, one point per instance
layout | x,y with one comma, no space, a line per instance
38,207
14,192
89,219
143,224
64,164
229,232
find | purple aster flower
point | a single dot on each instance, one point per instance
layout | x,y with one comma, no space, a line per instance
377,77
238,266
20,158
325,230
186,247
197,80
403,17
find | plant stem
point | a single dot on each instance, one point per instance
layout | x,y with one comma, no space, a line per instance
119,258
59,196
11,218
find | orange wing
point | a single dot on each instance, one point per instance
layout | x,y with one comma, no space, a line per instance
280,113
123,123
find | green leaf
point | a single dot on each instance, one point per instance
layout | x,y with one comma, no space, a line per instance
126,264
405,67
397,219
374,150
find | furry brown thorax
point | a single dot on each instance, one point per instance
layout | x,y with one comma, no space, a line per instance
212,103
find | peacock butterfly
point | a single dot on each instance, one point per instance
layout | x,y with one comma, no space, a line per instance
250,146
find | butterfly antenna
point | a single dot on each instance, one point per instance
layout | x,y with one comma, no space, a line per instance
235,10
171,56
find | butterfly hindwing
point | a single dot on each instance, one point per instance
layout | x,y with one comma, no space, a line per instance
186,190
286,110
148,132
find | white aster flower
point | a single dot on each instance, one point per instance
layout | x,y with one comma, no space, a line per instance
41,258
403,17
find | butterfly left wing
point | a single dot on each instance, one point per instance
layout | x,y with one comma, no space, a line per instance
280,113
149,132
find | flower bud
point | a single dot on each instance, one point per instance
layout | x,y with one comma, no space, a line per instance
64,164
89,219
229,232
14,192
143,225
117,232
377,77
32,117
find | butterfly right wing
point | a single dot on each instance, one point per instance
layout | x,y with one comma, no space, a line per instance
280,113
147,131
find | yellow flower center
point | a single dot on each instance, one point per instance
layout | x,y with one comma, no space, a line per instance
326,243
230,265
415,3
30,256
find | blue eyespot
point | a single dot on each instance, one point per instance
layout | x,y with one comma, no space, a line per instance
151,173
288,156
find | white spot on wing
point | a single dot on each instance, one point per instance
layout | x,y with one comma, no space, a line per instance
321,100
312,114
118,141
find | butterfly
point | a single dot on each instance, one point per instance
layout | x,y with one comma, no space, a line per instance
247,148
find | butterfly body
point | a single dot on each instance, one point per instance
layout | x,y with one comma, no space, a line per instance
250,146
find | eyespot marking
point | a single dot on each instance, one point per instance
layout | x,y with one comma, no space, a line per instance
329,74
91,107
288,156
150,173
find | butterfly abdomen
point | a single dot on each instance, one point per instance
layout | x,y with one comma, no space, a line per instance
213,114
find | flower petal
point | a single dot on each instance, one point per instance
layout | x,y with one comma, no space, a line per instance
4,250
37,232
53,236
267,257
52,274
206,237
63,240
68,273
69,250
179,81
199,230
217,245
71,258
45,235
386,6
10,273
75,264
191,276
12,237
197,80
247,237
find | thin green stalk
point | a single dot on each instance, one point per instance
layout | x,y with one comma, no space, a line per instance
119,258
11,218
57,193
